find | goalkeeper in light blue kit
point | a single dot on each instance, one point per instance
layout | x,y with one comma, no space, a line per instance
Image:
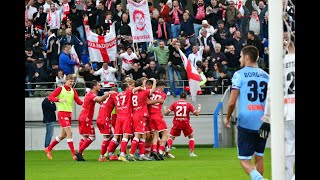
289,112
250,84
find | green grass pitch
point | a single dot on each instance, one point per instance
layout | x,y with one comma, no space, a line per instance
211,164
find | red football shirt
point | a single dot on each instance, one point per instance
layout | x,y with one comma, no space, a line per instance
87,110
139,103
107,106
181,109
123,103
156,108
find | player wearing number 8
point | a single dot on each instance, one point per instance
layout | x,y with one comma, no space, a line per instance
250,85
181,121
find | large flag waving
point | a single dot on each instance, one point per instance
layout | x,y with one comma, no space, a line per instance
74,57
140,22
193,76
102,48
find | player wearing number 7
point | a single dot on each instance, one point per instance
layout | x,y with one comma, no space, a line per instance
250,85
181,121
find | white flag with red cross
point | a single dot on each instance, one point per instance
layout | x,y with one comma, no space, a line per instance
102,48
74,57
193,76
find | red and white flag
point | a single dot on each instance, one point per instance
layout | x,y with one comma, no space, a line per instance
140,21
74,57
193,76
102,48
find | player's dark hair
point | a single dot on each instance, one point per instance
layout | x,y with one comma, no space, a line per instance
149,83
139,82
93,83
160,83
250,51
183,95
124,86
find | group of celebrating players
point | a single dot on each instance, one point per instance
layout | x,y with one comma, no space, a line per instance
133,113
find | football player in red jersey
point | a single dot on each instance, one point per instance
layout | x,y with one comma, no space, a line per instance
181,121
86,128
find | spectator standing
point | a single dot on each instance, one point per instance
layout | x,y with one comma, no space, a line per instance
49,117
54,18
174,65
162,54
199,12
164,30
187,29
72,40
107,75
164,11
52,48
176,14
213,13
65,62
153,71
77,23
39,21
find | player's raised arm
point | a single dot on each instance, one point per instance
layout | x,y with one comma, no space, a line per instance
99,99
136,89
154,85
150,102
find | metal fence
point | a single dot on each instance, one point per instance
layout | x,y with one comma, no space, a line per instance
80,86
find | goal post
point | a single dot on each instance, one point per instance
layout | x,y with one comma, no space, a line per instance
276,85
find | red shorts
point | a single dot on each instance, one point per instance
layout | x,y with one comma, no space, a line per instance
104,126
123,126
86,126
113,120
64,119
157,122
147,128
139,124
179,126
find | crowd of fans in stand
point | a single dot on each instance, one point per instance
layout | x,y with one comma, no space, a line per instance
211,34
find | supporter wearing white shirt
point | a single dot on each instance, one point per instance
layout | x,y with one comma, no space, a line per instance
210,29
54,18
196,55
107,75
128,59
46,6
31,9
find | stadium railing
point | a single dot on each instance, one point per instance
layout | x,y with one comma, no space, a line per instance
118,84
219,108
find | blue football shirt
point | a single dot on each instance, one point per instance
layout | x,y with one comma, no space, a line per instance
253,84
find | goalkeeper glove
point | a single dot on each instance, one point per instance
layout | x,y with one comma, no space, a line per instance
264,130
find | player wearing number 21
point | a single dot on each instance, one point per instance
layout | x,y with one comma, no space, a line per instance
181,121
250,85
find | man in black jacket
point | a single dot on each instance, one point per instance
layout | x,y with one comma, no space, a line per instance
49,116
